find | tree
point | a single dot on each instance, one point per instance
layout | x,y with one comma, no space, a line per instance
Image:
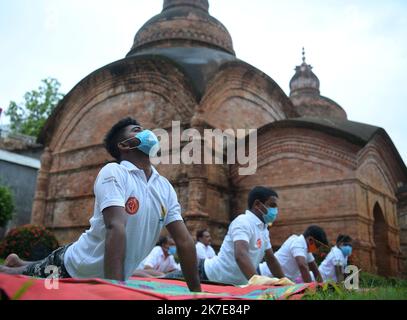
29,117
6,205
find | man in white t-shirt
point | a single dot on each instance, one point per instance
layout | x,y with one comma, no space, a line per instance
133,202
295,255
245,245
203,245
333,266
160,260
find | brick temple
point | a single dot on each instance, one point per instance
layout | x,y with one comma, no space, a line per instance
345,176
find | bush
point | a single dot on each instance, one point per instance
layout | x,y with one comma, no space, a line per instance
30,242
6,205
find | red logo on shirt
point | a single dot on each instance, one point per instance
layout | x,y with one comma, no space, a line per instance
259,243
132,205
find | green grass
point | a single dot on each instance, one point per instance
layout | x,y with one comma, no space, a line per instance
1,261
371,287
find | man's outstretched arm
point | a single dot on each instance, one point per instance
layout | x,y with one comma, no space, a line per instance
243,259
186,253
273,264
304,269
314,268
115,219
339,274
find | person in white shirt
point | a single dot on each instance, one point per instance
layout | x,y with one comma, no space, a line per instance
133,202
333,266
295,255
203,245
245,245
160,260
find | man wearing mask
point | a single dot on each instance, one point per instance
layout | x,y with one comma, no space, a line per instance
160,260
245,245
133,202
333,266
296,255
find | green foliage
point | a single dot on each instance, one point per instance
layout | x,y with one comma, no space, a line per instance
6,205
368,280
380,293
372,287
28,241
29,117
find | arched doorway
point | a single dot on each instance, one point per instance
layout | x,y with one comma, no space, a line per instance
382,253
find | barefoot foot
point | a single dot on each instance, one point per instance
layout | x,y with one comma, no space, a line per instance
13,260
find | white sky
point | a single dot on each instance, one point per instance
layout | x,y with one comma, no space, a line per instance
358,48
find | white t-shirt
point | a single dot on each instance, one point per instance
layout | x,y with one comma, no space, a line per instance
204,252
294,246
223,267
159,262
334,258
150,205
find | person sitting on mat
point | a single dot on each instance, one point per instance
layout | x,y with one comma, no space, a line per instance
203,246
160,260
333,266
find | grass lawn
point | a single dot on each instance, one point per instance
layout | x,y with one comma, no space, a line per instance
1,261
371,287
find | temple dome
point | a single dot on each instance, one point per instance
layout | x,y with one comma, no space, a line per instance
304,80
183,23
306,97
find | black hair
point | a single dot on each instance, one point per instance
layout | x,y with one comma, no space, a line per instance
343,238
162,240
199,233
115,135
260,193
317,233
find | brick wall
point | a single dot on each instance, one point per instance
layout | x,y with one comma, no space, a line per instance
321,180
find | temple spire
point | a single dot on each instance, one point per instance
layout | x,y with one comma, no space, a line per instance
304,80
303,55
306,97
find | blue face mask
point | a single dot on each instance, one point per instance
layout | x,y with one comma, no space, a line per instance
271,215
172,250
149,143
346,250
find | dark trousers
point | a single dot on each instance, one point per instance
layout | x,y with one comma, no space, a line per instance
47,266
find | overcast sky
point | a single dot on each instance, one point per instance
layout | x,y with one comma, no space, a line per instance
358,48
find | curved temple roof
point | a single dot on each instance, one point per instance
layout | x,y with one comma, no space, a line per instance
183,23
